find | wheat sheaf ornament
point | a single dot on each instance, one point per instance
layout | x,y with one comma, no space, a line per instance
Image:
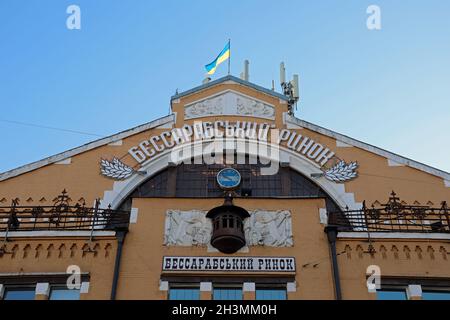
342,171
115,169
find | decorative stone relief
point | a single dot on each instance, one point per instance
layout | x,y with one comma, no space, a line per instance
204,108
187,228
229,103
269,228
249,107
192,228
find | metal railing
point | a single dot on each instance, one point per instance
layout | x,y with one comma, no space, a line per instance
393,216
62,217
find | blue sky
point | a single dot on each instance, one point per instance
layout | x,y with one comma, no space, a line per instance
389,88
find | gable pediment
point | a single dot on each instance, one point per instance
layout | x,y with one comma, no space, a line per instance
229,103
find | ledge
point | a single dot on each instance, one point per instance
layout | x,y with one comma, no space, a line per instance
56,234
394,235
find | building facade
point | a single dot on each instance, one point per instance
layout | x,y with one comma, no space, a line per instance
228,197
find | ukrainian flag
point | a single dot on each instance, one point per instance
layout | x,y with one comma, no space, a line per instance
223,55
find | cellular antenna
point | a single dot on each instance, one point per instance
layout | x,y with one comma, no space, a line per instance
290,89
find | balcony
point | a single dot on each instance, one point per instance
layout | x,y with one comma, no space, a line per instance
61,216
394,216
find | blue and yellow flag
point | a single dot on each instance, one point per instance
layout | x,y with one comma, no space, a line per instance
223,55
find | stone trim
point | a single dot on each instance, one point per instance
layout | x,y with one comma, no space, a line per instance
43,288
414,292
86,147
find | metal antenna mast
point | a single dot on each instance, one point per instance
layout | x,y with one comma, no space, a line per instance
290,89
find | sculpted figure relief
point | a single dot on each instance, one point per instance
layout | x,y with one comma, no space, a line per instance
192,228
229,103
253,108
269,228
203,108
187,228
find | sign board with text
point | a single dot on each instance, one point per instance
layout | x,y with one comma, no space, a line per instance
236,264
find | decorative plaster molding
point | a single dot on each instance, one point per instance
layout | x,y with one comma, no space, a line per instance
187,228
205,108
323,216
191,228
134,215
254,108
269,228
229,103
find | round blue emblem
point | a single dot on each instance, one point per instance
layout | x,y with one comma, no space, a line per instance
228,178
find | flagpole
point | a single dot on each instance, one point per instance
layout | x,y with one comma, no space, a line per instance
229,58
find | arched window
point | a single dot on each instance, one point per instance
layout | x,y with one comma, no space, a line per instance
199,181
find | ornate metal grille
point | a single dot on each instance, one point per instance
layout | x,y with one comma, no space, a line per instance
61,216
394,216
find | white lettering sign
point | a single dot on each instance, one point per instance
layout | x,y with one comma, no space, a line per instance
241,264
305,146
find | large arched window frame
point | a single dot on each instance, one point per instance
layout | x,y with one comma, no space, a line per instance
199,181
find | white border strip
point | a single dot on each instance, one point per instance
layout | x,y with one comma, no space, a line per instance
394,235
51,234
86,147
365,146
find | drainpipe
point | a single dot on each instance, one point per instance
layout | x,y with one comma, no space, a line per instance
120,240
331,232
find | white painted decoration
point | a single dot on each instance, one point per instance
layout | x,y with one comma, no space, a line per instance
229,103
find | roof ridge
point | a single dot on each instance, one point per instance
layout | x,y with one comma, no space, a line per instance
84,147
229,78
371,148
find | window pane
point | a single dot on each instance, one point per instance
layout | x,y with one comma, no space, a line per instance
64,294
227,294
184,294
19,294
391,295
270,294
435,295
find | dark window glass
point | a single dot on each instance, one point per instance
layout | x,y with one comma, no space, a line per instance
436,295
227,294
199,180
64,294
271,294
391,295
184,294
156,186
19,293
